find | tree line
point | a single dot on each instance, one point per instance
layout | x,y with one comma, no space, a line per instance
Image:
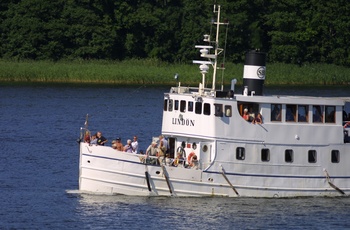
290,31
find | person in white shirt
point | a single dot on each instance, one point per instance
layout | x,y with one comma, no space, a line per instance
135,145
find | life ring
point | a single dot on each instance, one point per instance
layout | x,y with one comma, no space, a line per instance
189,158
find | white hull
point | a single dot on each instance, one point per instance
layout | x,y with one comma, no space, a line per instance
106,171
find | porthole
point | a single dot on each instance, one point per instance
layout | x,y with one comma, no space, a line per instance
194,146
205,148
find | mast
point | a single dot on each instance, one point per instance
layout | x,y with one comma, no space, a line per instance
205,53
216,46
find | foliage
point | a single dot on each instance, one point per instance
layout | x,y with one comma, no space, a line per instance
293,31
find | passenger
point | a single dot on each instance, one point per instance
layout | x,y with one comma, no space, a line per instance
165,142
119,144
347,124
194,162
152,151
251,114
301,118
317,114
258,119
128,147
290,115
135,145
114,144
87,137
245,114
101,140
93,140
179,160
161,152
345,116
276,113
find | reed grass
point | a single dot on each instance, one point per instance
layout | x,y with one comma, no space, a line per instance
154,72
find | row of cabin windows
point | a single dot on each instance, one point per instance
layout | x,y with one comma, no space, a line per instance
294,113
288,155
300,113
197,107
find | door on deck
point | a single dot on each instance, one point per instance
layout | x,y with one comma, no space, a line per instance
206,154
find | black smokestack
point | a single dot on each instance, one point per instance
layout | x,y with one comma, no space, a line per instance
254,73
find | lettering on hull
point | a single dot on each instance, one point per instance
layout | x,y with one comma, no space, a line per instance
185,122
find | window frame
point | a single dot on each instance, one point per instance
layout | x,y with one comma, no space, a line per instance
190,106
265,155
240,153
328,117
218,110
279,113
289,156
335,156
198,107
170,107
206,109
183,106
312,156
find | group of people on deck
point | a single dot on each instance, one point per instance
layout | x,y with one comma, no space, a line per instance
251,117
156,153
132,146
98,139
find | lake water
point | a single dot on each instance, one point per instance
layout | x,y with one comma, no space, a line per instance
39,168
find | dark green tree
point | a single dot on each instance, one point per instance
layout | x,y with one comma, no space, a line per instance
32,30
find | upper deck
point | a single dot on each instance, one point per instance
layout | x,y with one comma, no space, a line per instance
301,120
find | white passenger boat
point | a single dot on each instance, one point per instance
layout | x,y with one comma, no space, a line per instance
300,149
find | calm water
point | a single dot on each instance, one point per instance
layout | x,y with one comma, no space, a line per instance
39,168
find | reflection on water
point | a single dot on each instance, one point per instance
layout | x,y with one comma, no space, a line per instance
214,213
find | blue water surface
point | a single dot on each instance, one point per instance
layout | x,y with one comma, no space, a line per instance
39,168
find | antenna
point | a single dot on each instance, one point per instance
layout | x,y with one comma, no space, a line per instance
212,57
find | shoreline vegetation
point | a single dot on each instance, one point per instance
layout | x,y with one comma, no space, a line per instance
156,73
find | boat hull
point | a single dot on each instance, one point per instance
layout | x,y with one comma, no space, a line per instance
104,170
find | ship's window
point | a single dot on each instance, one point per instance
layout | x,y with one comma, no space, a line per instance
170,105
190,106
317,113
240,153
303,111
176,105
288,155
312,156
218,110
290,112
335,156
265,155
198,108
228,110
165,106
276,112
204,148
330,114
182,106
206,109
